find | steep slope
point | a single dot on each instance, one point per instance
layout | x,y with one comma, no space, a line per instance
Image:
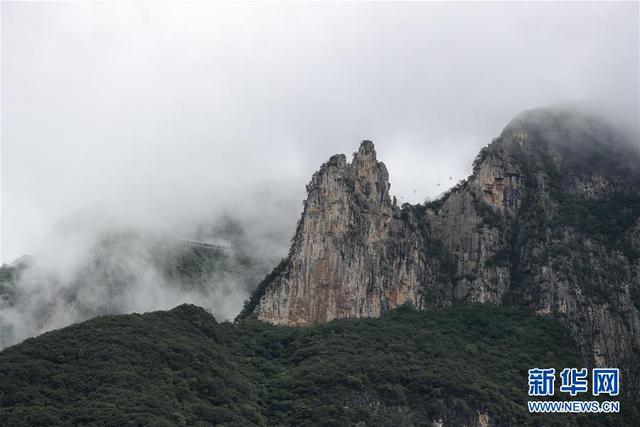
461,366
549,220
355,253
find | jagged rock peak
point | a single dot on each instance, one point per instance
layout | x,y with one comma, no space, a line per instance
364,181
366,154
515,231
345,219
367,148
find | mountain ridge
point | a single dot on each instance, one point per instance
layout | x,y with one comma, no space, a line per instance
464,365
549,220
427,314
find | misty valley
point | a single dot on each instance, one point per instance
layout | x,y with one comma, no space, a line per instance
123,271
426,314
311,213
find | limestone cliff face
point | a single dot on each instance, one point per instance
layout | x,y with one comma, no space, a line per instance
352,255
549,220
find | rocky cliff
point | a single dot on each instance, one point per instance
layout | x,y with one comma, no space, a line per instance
549,220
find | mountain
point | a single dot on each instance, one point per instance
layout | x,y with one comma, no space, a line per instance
549,221
465,365
427,314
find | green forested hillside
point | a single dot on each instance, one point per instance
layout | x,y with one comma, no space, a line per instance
181,367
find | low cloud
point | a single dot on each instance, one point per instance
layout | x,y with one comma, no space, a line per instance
156,121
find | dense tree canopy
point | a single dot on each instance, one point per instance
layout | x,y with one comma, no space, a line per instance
181,367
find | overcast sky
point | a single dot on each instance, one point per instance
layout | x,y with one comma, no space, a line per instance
162,112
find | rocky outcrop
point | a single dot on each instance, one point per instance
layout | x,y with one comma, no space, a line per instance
353,255
549,220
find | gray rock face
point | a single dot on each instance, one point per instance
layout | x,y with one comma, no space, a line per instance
334,268
549,220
